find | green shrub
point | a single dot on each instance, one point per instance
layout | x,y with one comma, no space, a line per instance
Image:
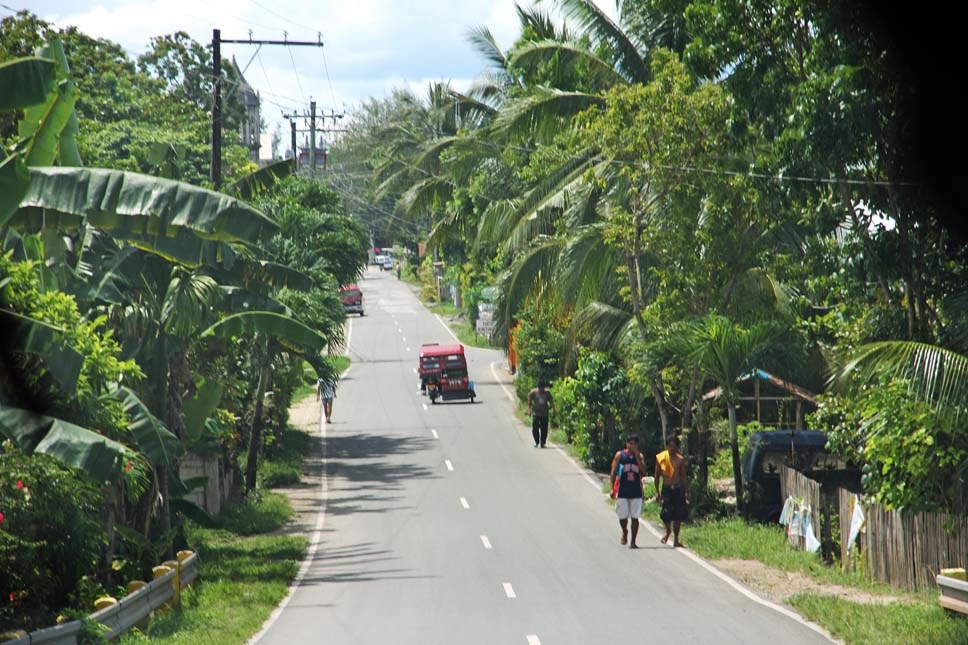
50,536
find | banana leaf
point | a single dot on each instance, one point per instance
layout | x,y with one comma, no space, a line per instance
14,181
99,457
132,204
31,336
263,322
150,435
262,180
201,406
25,81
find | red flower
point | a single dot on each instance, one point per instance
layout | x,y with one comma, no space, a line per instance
1,518
20,484
11,596
128,466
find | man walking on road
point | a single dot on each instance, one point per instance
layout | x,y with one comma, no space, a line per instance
539,401
628,465
671,468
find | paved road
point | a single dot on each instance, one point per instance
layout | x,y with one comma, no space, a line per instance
441,524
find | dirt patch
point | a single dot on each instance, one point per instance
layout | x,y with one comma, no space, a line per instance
779,586
304,414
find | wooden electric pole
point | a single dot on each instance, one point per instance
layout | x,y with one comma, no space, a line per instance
217,41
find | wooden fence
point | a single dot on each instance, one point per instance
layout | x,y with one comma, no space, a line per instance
795,484
906,550
910,549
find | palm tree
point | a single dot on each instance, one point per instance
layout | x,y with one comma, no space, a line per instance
724,351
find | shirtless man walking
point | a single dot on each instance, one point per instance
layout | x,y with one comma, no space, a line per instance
672,469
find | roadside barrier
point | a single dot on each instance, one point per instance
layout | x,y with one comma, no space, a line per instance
134,609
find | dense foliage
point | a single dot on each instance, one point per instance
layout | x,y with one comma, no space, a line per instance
699,190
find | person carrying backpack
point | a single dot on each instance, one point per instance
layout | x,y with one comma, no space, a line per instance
628,465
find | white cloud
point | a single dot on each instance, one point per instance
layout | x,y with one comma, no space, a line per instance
370,46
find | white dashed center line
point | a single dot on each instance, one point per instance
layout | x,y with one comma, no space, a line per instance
434,432
485,542
449,465
508,590
425,406
533,640
463,502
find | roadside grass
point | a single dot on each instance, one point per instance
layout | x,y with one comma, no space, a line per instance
734,538
923,623
463,329
245,571
918,621
282,463
242,578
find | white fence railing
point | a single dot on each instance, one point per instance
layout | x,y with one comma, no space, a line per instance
128,612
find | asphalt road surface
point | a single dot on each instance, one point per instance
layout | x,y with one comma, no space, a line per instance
441,524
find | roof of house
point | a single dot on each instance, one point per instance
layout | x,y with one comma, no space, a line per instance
763,375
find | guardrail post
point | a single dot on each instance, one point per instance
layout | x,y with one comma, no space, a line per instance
175,580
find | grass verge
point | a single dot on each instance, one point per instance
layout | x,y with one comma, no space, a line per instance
243,576
245,570
464,331
918,620
923,623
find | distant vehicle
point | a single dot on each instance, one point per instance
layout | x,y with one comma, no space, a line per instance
352,299
443,373
387,263
803,450
378,260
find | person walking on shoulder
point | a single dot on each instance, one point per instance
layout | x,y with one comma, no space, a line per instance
628,465
539,402
672,470
326,392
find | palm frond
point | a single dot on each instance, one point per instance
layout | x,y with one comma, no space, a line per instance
429,158
483,41
532,56
543,114
529,273
586,269
424,196
539,21
935,374
603,327
500,224
627,54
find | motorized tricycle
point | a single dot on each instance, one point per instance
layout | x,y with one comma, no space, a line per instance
443,373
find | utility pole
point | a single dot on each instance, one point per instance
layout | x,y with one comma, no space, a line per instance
313,130
312,138
217,41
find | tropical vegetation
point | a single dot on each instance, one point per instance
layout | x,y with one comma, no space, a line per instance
667,202
149,319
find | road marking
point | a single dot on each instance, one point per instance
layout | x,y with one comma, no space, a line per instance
499,382
463,502
408,349
485,542
533,640
447,327
449,465
434,432
404,339
508,590
722,576
583,472
425,406
415,370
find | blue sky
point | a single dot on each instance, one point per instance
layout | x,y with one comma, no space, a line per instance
370,46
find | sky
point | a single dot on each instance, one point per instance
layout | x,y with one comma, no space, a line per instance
370,47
